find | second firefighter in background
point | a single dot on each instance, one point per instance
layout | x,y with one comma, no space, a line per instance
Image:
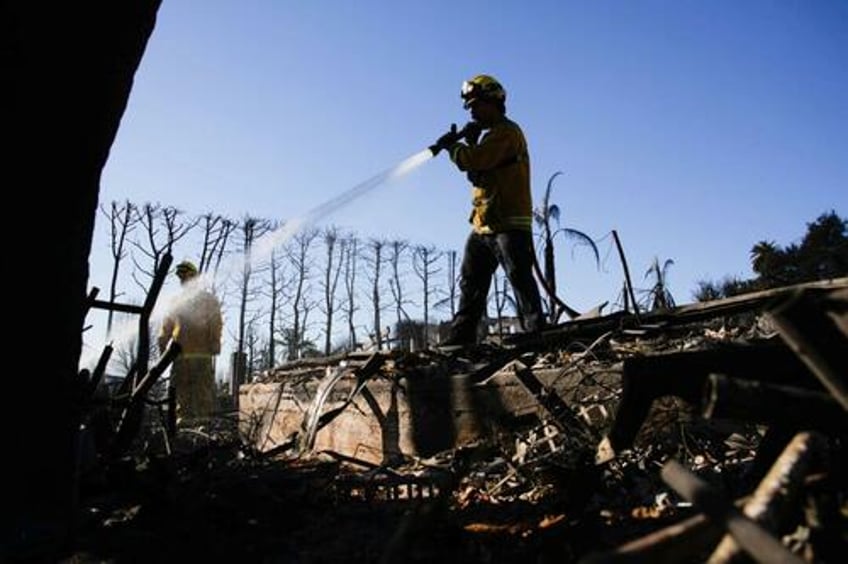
196,324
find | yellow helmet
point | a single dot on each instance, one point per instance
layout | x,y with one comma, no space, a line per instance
482,87
186,267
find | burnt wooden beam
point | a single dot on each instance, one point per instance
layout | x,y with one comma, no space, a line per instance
551,401
127,385
675,543
171,353
750,536
130,420
144,312
684,375
115,306
99,371
583,329
171,421
813,325
349,357
147,309
777,495
762,402
686,540
92,297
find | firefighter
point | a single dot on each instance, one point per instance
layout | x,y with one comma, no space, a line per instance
196,324
498,168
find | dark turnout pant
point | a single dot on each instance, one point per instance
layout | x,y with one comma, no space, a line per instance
513,250
193,377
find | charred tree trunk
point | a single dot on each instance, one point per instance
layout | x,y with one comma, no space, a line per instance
452,281
121,218
349,304
332,271
396,286
375,261
252,228
424,260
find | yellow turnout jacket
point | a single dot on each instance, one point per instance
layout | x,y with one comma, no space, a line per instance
499,170
196,325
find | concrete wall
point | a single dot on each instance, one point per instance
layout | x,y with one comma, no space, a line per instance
425,412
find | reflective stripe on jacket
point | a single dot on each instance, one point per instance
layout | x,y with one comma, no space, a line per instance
499,170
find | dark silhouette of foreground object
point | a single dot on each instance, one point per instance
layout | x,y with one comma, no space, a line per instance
70,69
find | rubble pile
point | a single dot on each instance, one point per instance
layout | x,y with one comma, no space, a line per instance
598,443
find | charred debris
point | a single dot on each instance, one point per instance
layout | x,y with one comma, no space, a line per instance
709,432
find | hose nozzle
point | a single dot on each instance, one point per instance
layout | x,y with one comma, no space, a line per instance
469,130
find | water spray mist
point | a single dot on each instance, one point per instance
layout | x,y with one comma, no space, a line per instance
262,248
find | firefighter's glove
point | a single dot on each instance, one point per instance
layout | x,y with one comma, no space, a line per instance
446,141
471,132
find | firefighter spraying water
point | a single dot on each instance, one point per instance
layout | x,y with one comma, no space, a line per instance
492,151
498,168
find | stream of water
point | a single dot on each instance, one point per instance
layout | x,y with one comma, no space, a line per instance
124,332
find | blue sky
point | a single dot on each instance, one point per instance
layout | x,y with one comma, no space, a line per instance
694,128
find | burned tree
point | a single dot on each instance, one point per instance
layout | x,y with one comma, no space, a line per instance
216,232
452,283
251,229
397,250
154,219
332,272
374,259
278,283
124,358
148,217
297,253
348,306
254,347
163,227
122,221
424,259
